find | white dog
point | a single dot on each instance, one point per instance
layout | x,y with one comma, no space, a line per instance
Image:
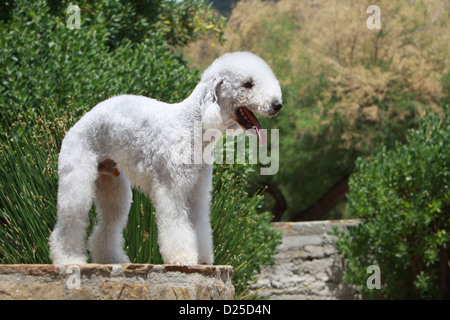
130,141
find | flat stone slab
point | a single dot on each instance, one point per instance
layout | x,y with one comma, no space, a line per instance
115,282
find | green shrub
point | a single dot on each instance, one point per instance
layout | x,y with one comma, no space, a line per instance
403,199
115,51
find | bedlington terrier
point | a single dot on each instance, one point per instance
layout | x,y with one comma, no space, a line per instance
131,140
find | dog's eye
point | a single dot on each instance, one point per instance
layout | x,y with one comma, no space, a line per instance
248,84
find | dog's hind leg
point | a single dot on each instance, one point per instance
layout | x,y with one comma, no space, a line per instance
113,198
75,196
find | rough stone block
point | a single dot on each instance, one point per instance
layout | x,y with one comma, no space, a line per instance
307,265
26,290
116,290
173,293
115,282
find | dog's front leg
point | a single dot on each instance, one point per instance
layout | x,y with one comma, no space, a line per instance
200,209
176,237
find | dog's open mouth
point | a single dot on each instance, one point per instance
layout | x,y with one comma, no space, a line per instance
247,120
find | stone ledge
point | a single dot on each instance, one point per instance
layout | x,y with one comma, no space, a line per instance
115,282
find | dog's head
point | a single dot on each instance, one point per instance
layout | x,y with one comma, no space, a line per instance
240,85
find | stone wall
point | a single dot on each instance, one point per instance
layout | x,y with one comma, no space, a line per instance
116,282
306,265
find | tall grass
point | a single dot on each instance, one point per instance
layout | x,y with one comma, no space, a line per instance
28,185
140,234
243,237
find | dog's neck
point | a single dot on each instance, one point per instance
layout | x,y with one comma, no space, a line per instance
201,104
199,96
193,107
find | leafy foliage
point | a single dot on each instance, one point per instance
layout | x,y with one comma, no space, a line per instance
42,58
403,199
187,21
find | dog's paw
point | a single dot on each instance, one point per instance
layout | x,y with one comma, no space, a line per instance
181,259
183,262
69,261
206,260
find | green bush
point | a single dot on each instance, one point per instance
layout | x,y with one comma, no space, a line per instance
116,51
42,59
403,199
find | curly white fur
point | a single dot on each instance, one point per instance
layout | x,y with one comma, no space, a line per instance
130,141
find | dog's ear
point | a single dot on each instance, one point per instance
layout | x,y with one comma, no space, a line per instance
211,112
217,87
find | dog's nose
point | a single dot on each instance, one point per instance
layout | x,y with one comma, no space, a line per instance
277,106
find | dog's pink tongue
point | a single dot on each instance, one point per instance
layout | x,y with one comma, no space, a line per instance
261,134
